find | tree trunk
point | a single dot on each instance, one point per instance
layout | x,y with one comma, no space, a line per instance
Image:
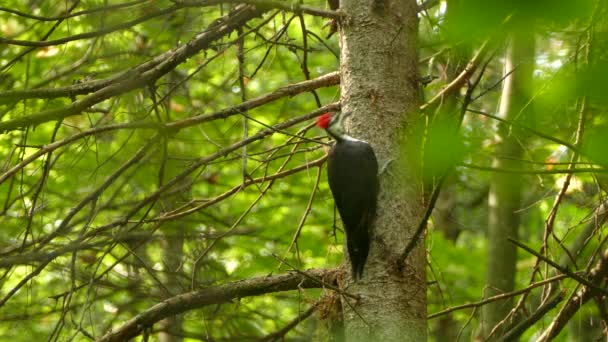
505,188
173,249
379,87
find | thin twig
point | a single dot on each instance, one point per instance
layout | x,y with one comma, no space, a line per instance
558,267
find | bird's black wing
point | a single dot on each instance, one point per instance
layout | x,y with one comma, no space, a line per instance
353,179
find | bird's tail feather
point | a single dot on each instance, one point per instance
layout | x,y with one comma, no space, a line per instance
357,263
357,269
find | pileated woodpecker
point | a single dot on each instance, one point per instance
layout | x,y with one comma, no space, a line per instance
352,171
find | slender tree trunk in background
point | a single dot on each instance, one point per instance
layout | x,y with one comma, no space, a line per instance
505,188
379,87
172,258
173,254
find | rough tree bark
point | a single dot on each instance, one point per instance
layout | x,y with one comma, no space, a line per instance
504,199
379,87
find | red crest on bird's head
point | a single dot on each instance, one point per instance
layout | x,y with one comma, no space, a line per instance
324,120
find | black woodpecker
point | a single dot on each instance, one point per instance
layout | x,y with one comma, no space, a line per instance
352,171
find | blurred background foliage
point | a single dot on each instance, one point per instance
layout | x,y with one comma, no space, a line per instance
118,274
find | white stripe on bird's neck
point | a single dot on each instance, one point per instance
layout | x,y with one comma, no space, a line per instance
349,138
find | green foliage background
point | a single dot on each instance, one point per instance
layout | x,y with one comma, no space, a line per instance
134,253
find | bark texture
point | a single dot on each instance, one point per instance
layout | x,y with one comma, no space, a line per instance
505,189
379,87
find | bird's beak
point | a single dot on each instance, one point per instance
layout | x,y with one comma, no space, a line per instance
345,114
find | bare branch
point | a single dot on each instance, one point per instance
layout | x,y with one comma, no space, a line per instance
216,295
520,328
139,78
576,302
75,14
497,297
558,267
